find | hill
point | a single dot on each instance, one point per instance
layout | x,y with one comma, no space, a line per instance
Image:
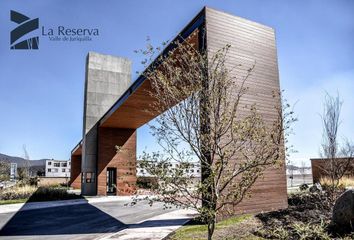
21,161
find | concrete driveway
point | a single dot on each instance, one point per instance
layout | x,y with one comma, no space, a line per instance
82,221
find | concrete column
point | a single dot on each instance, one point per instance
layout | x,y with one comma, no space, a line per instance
107,78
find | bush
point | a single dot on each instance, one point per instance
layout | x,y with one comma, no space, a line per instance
35,194
310,231
32,181
52,194
146,182
344,183
17,192
303,187
276,233
308,216
316,200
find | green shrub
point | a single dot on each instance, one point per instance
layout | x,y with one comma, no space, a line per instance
276,233
146,182
310,231
52,194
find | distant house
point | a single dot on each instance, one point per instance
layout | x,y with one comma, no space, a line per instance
57,168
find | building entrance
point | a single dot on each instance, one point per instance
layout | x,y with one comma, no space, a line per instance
111,181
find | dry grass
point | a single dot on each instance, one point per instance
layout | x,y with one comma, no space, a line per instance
344,182
17,192
35,194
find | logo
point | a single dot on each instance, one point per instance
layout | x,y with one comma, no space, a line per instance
25,26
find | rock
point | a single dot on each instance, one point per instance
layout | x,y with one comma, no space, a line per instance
303,187
343,210
315,188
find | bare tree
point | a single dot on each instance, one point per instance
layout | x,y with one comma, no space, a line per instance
203,118
24,171
338,159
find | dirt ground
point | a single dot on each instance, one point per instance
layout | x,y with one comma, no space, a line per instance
307,217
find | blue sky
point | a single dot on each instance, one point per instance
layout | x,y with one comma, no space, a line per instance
41,92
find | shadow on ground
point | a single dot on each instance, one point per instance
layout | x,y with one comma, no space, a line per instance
159,223
74,219
77,219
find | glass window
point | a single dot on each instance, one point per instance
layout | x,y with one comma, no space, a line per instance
49,163
63,170
49,170
64,164
56,164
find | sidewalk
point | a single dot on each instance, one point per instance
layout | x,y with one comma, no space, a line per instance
155,228
7,208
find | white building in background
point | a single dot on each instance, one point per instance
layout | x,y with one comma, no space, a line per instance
57,168
193,171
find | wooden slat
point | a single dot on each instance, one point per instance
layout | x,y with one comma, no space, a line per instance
252,43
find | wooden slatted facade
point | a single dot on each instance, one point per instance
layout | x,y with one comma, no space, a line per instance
321,166
252,45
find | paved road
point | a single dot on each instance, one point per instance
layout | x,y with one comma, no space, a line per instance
84,221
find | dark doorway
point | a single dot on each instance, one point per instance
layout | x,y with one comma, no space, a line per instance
111,181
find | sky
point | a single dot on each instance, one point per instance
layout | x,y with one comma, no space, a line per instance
41,91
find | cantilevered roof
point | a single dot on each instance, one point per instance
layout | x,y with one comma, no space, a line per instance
129,111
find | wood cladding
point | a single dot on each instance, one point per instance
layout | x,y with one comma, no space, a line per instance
252,44
124,160
75,175
136,110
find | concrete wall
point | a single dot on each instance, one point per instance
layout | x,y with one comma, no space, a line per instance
107,78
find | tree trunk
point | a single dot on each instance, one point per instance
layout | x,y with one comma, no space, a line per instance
211,228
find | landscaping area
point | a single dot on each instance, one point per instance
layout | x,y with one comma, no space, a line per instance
309,216
30,193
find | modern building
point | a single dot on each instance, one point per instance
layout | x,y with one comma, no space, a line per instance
57,168
192,171
114,108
